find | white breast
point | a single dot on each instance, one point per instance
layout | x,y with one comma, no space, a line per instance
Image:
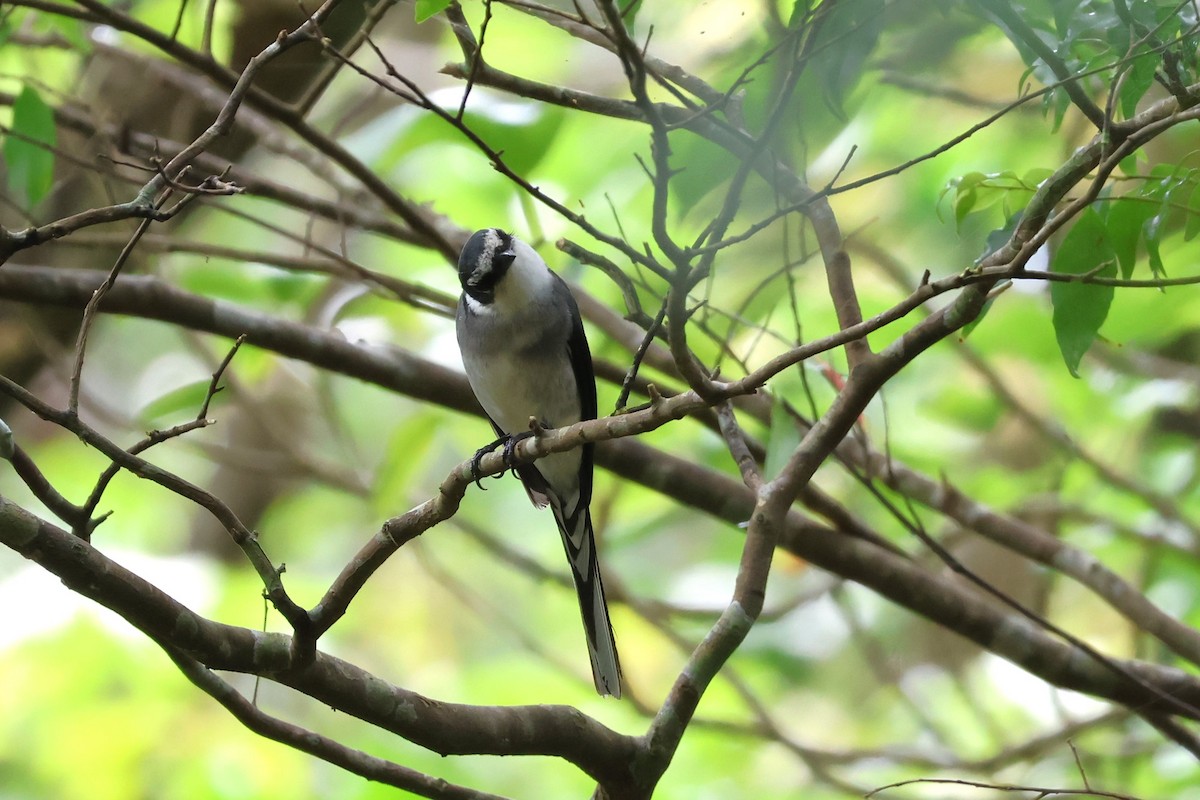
516,359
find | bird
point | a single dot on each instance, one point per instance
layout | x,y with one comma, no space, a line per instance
526,357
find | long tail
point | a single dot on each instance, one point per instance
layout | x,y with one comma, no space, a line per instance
580,544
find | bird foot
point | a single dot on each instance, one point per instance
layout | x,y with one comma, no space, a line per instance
480,453
510,455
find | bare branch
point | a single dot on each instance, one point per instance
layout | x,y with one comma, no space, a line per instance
446,728
324,748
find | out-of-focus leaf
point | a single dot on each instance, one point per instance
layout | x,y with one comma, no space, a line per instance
1141,216
808,389
965,195
252,283
1152,233
1057,101
629,12
7,446
176,405
1192,225
1124,219
28,150
1137,82
995,240
856,25
73,30
784,439
424,9
522,135
705,166
999,237
833,72
1118,38
1066,16
973,324
1033,178
406,462
520,131
1006,189
976,192
1081,308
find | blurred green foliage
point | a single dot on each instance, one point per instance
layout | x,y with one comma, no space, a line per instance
88,710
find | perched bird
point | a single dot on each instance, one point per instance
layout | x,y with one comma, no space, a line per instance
526,355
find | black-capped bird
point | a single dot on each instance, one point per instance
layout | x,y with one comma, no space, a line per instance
526,355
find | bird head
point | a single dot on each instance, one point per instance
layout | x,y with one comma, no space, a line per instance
484,261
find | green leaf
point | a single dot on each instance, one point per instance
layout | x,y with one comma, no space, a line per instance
976,192
965,196
427,8
995,240
705,166
183,401
1124,220
1033,178
1000,236
783,440
1152,232
1057,101
1129,164
967,329
523,133
806,389
28,150
75,31
406,462
1137,82
1081,308
1192,226
629,12
856,25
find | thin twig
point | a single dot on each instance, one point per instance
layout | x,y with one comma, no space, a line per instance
214,385
476,60
631,374
64,509
735,441
89,314
242,536
1040,791
155,438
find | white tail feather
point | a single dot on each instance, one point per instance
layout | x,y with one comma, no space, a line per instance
580,544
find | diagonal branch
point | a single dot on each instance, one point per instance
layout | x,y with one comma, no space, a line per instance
246,539
306,741
445,728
